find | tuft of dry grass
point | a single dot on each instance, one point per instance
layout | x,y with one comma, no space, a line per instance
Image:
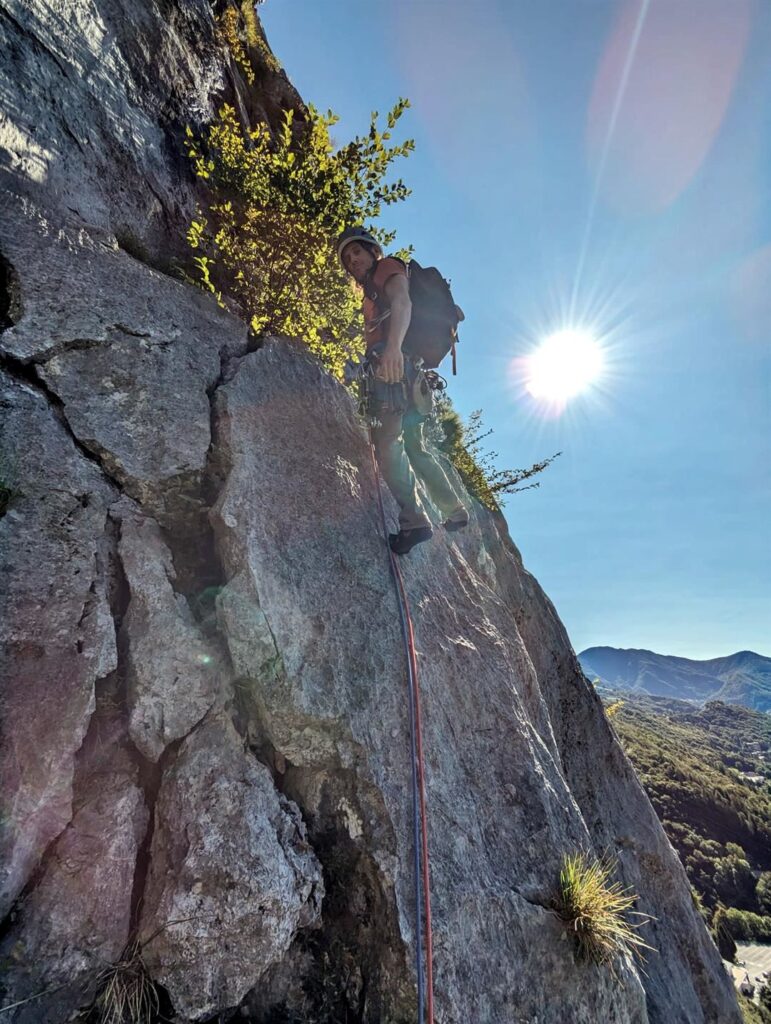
127,994
596,909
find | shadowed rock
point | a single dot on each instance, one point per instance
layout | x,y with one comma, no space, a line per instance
56,631
174,674
75,922
232,876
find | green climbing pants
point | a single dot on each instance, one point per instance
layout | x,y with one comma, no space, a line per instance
401,453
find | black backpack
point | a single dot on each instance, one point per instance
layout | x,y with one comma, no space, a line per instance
433,329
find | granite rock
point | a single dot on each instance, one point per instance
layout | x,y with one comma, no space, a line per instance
232,876
56,630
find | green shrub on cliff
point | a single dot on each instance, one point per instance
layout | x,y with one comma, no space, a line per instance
462,443
752,1014
277,202
721,933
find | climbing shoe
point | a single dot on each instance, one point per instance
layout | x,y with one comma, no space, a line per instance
456,521
405,540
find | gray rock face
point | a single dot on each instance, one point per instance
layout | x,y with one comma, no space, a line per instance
618,814
56,632
174,674
76,920
98,95
150,469
123,349
299,536
232,876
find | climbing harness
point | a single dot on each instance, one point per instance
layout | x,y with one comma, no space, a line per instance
377,395
425,985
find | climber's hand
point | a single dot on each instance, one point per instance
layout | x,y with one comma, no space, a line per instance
391,365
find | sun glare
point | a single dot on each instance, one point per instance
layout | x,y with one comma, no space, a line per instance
563,365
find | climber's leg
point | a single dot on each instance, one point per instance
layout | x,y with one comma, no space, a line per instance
430,470
397,473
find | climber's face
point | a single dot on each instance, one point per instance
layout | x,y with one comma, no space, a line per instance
357,260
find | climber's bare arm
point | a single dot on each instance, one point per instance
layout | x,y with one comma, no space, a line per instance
392,362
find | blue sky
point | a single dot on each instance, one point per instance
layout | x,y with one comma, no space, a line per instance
601,164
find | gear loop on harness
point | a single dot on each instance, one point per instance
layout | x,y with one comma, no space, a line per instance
376,395
420,830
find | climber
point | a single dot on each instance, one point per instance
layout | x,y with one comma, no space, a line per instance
402,401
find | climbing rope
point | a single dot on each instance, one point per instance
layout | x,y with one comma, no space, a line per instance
425,986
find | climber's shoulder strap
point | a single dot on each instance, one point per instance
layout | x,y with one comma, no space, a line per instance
377,278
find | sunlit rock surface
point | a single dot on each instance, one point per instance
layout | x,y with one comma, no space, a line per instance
174,491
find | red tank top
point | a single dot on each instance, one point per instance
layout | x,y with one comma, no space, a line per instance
384,269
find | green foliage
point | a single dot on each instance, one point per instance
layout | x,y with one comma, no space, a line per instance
763,892
752,1014
238,27
698,902
765,1000
594,908
228,25
743,924
255,38
613,709
719,825
276,204
462,443
721,932
733,879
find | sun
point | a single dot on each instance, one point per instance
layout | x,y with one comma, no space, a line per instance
563,365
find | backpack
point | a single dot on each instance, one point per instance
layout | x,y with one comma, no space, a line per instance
433,330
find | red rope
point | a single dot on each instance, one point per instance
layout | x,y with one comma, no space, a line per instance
415,699
422,793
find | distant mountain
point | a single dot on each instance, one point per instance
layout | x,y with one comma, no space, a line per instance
741,678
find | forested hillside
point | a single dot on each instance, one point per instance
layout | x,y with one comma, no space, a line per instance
707,772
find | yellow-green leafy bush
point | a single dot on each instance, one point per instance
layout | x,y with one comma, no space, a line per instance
228,25
277,203
613,709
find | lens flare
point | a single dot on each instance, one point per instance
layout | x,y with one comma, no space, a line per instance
564,365
665,107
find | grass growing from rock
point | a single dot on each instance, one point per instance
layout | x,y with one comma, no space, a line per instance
127,994
594,908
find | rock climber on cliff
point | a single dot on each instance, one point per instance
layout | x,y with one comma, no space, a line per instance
401,402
